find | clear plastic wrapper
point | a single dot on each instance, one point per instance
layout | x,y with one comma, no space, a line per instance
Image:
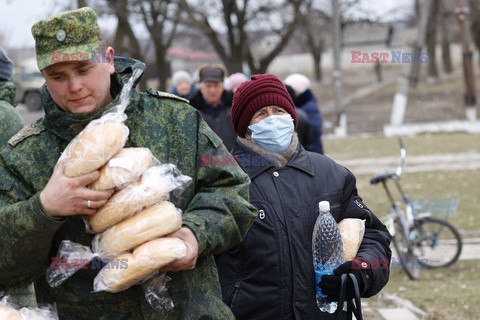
140,265
156,292
352,231
157,221
153,187
125,167
70,258
10,311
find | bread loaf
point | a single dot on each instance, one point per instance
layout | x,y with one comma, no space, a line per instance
152,188
7,313
94,146
154,222
352,231
124,168
142,263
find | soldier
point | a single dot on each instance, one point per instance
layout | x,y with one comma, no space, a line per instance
10,120
40,206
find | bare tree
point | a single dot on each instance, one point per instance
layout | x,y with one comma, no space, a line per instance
244,30
431,41
314,28
161,18
446,13
475,23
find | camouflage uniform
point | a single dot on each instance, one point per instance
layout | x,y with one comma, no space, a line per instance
215,206
10,120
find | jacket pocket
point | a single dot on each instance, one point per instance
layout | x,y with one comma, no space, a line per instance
231,298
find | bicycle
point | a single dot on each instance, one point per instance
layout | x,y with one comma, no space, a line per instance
421,240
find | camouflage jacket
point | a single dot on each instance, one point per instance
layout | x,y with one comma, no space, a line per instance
10,120
215,207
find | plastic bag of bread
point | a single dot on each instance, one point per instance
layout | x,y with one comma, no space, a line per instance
125,167
94,146
352,231
153,187
144,262
10,311
154,222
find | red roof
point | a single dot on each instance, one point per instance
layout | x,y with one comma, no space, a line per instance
190,54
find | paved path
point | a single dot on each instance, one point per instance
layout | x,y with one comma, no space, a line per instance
423,163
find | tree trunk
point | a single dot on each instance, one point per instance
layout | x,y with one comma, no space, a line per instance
446,56
162,67
431,44
317,66
125,42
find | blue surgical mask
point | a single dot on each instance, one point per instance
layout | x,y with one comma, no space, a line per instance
273,133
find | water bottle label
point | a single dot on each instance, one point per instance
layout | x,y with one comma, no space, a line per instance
320,270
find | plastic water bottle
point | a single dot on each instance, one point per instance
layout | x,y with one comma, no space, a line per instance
327,251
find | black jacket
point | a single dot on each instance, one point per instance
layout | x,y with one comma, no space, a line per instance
270,274
219,118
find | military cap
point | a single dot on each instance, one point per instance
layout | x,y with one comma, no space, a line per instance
70,36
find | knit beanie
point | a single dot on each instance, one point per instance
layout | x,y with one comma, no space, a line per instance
298,82
235,80
263,90
181,76
6,66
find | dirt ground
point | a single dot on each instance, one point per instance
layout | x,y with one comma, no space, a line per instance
369,111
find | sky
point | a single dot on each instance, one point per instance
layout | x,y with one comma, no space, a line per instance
18,16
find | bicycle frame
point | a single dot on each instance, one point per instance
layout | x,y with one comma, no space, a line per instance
407,220
409,225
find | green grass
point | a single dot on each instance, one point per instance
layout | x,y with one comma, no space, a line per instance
450,293
379,146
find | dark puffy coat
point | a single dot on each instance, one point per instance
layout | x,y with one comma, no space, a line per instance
270,274
308,103
306,135
219,118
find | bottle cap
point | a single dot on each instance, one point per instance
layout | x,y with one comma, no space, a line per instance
324,206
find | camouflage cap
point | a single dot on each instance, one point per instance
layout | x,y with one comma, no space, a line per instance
70,36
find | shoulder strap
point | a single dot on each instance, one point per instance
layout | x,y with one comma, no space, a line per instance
30,130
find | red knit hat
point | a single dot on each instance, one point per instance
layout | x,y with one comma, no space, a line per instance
263,90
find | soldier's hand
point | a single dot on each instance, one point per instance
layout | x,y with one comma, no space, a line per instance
188,262
64,196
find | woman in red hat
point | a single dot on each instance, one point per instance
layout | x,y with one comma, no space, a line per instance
270,274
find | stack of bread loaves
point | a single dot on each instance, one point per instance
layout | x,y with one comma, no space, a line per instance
138,214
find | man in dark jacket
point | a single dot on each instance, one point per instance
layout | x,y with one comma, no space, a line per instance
214,102
305,100
270,274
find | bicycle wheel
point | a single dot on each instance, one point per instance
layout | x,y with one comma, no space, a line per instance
405,252
438,243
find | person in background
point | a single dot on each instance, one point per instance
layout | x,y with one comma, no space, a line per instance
10,120
40,206
234,81
270,274
306,135
182,85
214,102
306,101
10,123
